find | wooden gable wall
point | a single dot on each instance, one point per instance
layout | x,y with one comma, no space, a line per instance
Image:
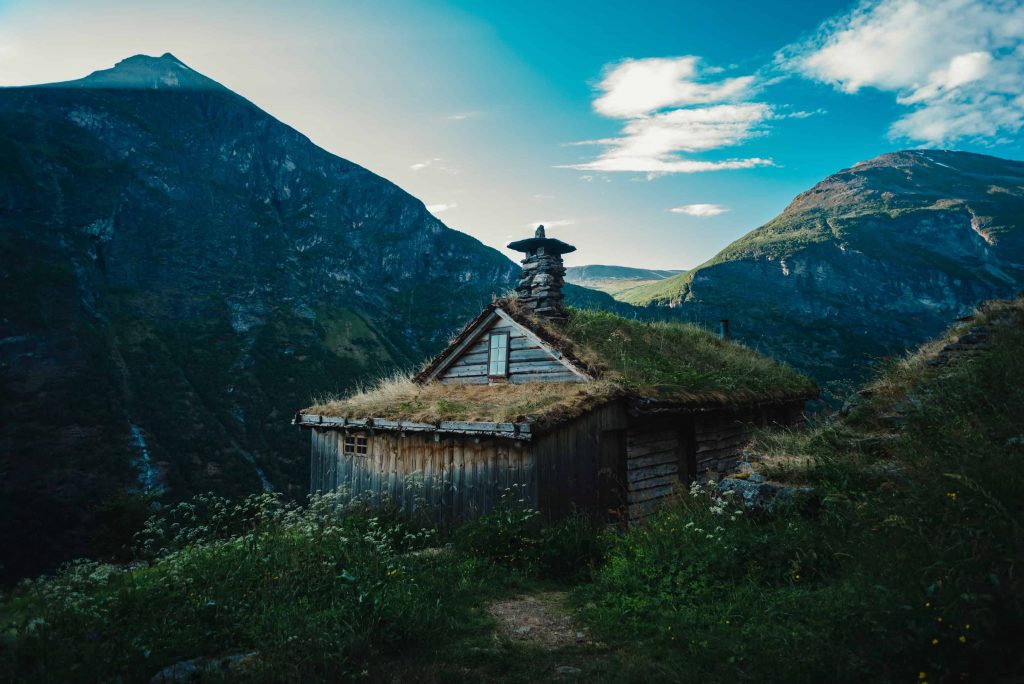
528,360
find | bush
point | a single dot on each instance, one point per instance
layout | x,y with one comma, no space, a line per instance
315,593
517,537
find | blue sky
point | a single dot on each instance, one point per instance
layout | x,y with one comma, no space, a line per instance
647,134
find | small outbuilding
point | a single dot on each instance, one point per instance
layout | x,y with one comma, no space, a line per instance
562,408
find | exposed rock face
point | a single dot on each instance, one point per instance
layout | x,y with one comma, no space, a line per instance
872,261
180,273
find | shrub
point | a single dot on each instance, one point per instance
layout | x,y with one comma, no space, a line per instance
515,536
315,593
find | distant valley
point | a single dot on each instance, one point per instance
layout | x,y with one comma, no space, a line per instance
615,280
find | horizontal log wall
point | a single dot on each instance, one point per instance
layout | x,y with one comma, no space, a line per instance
654,459
456,478
527,361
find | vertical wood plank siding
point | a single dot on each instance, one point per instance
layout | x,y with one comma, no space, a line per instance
595,462
453,476
568,462
527,362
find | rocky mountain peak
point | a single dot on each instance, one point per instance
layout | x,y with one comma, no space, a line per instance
149,73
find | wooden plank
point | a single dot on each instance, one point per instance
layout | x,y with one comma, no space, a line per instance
471,358
658,471
536,367
670,479
651,448
520,378
528,354
465,371
652,460
467,380
522,343
649,494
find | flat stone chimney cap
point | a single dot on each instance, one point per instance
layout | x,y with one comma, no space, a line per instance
550,245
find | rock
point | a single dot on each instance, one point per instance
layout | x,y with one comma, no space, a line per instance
761,494
198,669
568,670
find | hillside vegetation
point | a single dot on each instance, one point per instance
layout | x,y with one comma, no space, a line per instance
868,263
899,563
615,279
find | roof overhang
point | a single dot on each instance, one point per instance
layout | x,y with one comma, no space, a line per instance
516,431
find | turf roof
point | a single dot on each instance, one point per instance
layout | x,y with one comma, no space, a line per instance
672,363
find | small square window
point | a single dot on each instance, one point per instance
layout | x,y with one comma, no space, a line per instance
497,357
355,445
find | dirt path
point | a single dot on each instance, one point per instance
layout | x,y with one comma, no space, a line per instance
541,619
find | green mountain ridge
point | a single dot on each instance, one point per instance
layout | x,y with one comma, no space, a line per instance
181,272
615,279
867,263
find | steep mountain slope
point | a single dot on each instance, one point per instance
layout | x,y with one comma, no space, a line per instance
871,261
615,279
180,273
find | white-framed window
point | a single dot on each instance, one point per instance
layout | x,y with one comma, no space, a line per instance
355,445
497,357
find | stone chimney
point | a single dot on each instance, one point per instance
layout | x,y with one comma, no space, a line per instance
540,283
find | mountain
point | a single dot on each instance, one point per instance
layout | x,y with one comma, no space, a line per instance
615,279
869,262
180,273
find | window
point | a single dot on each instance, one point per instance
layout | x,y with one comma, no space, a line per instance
355,445
497,358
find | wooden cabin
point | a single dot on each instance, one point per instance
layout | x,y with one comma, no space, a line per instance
556,408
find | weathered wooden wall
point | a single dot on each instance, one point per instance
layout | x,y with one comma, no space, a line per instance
604,461
655,462
666,453
527,361
457,477
581,463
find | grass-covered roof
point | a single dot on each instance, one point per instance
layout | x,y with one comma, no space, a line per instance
676,363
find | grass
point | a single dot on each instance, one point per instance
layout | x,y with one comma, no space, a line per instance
903,567
675,362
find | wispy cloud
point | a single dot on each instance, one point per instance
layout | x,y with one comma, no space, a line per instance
442,207
543,198
636,87
701,210
957,65
670,108
433,164
462,116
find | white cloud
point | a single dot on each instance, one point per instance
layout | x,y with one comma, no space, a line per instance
432,164
461,116
701,210
652,144
543,198
671,109
636,87
958,64
442,207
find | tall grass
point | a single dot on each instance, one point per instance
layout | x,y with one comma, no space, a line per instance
907,570
316,595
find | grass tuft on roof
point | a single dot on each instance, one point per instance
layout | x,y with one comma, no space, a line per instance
669,362
679,361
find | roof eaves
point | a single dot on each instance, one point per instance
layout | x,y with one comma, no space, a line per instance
520,431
